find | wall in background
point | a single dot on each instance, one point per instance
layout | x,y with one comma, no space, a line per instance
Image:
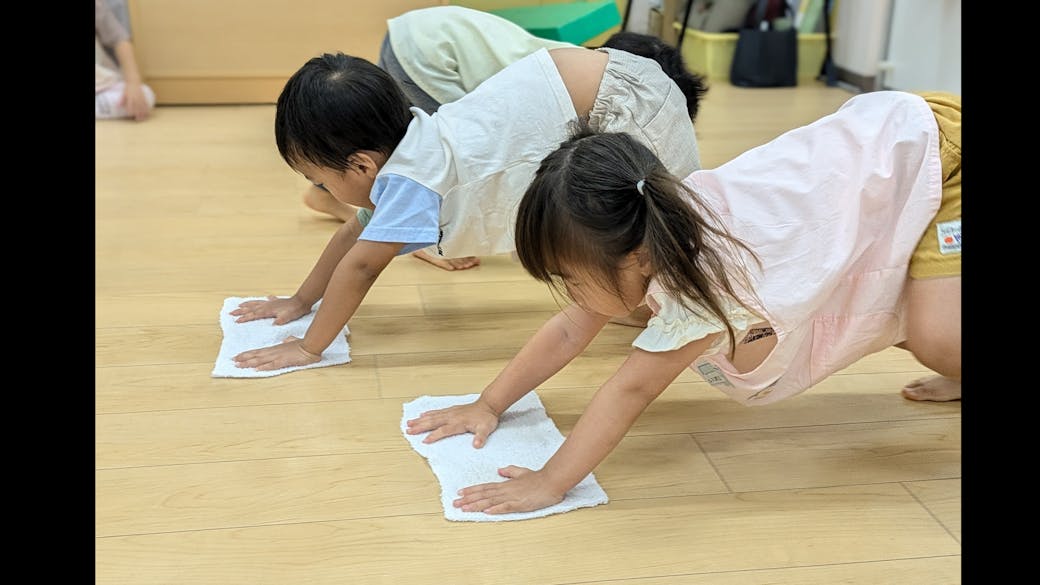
639,17
861,28
910,45
924,46
243,51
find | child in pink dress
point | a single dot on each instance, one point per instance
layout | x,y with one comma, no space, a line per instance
765,275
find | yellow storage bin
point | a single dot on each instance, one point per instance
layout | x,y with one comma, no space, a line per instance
710,54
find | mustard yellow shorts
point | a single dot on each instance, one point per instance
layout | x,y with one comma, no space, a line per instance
939,251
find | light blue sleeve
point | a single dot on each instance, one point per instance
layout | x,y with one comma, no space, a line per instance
405,212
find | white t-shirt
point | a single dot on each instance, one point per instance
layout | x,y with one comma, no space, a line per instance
480,153
477,155
449,50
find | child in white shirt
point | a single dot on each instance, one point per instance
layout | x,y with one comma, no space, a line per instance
448,183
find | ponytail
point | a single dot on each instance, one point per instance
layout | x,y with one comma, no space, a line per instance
690,253
600,197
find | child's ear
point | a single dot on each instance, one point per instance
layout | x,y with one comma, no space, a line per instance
366,162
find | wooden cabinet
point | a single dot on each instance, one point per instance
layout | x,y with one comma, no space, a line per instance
243,51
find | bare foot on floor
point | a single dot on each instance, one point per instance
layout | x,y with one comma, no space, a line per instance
934,389
637,318
448,263
322,201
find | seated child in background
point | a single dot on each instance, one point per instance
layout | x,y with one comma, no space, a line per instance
118,89
441,53
450,182
765,275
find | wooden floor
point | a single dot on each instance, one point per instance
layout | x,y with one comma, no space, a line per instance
305,478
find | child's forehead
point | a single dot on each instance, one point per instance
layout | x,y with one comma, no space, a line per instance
310,170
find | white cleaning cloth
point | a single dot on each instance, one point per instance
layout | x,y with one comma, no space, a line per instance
261,333
525,436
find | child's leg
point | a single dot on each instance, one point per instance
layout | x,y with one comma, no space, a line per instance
934,291
320,200
934,337
416,95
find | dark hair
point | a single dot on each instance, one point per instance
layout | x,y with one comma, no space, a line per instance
336,105
583,209
669,58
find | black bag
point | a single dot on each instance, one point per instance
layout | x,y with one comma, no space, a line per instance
765,58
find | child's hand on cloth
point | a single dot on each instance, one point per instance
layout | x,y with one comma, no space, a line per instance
477,418
284,355
283,310
524,491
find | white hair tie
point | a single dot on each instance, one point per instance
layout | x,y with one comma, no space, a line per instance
639,186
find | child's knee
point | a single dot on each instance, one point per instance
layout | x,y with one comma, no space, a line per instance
937,348
933,323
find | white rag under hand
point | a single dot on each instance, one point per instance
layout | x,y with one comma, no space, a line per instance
525,436
261,333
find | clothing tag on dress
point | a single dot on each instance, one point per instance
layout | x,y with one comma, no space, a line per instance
949,233
713,374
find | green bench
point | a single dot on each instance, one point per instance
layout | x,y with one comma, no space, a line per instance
572,22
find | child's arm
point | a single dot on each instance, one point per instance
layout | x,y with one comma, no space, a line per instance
133,95
554,345
612,411
350,281
313,287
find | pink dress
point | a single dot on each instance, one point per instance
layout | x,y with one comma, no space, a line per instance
834,211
